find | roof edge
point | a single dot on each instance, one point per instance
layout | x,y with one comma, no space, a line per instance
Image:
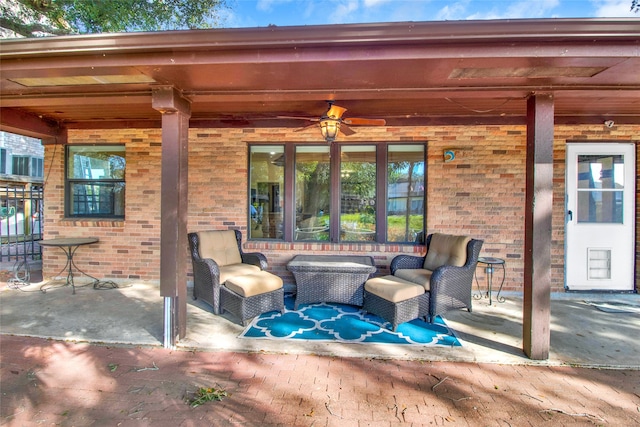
487,31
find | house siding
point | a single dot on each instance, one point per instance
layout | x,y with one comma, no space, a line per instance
480,193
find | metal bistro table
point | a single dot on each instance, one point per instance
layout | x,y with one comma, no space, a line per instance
69,246
330,278
490,264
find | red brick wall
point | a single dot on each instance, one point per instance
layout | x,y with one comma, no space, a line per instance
481,194
127,249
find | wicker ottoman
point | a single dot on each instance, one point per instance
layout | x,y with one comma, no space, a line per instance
330,278
251,295
395,300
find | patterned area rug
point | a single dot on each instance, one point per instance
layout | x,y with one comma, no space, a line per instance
345,323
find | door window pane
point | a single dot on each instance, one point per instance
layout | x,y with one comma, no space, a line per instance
405,192
600,188
358,193
312,193
266,178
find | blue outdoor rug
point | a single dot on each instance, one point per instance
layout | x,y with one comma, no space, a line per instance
344,323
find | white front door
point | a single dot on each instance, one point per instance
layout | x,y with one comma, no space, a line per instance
600,217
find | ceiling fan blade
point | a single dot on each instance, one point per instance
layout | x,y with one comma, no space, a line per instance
335,112
312,119
305,127
364,122
346,130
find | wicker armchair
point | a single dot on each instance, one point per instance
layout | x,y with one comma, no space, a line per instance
449,285
426,286
217,256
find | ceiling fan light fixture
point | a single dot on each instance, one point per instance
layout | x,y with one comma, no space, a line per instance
330,127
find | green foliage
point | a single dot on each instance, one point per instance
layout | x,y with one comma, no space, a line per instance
32,18
361,179
206,394
397,230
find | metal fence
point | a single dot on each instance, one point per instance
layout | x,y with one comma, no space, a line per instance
21,209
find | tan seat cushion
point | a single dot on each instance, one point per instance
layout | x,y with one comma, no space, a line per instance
393,288
446,249
220,246
254,284
419,276
234,270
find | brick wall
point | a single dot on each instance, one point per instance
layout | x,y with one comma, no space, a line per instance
480,193
127,249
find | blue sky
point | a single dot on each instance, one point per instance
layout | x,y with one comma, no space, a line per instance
261,13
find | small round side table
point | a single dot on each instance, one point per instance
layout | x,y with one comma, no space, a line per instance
490,265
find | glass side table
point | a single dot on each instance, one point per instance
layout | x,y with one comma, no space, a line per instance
491,264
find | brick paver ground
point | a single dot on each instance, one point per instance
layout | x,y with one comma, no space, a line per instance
45,382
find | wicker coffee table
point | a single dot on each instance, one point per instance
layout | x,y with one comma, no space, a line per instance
330,278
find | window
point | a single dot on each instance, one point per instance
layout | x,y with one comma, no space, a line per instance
37,167
405,192
3,160
266,181
312,193
20,165
95,181
337,192
600,188
358,193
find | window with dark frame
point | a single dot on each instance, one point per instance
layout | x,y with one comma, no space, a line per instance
369,192
37,167
20,165
95,181
3,160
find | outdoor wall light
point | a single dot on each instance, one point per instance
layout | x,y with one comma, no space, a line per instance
609,123
329,128
449,155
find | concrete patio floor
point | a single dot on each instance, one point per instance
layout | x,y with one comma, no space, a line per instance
581,335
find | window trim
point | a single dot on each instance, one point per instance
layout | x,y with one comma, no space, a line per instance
334,225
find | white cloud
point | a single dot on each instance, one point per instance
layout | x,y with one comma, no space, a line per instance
269,5
375,3
343,10
517,10
452,11
613,9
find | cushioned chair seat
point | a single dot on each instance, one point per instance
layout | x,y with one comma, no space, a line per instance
420,276
393,288
395,300
234,270
251,295
254,284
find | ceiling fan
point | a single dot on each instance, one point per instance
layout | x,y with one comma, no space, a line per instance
332,122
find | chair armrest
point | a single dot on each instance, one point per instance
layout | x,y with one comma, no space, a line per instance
255,258
406,262
448,277
206,271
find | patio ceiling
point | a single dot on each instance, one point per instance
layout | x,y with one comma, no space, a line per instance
461,72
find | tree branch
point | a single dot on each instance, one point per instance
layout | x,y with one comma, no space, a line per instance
28,30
